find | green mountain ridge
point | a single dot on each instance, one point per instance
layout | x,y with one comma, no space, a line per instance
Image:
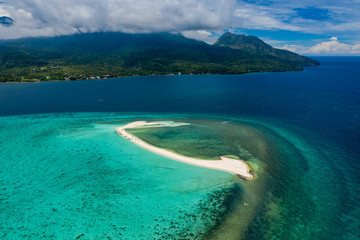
254,45
84,56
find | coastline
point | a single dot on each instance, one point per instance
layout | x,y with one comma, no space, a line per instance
230,165
150,75
161,74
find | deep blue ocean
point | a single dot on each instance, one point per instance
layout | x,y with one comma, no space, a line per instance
318,107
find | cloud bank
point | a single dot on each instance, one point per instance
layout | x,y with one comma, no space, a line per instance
326,16
50,18
204,20
328,47
334,47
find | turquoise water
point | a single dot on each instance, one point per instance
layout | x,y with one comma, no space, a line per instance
66,174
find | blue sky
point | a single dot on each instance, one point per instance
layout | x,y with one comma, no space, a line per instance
310,27
318,27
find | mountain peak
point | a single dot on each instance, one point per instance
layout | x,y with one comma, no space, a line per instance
256,46
243,42
229,34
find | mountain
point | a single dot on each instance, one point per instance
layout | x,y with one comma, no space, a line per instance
6,21
256,46
89,55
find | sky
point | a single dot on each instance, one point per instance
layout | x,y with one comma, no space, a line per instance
316,27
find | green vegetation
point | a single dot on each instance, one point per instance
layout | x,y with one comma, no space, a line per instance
255,46
105,55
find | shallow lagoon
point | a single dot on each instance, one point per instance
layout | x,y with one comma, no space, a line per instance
72,175
67,174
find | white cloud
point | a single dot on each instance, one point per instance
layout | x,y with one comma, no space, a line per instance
329,47
48,18
291,48
300,49
334,47
199,19
202,35
255,17
282,15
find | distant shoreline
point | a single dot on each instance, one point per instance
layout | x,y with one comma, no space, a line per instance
230,165
150,75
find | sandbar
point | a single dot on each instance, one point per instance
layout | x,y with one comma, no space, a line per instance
227,164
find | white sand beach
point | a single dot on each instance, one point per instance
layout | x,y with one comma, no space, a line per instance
234,166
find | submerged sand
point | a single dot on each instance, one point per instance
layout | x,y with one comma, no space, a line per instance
230,165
